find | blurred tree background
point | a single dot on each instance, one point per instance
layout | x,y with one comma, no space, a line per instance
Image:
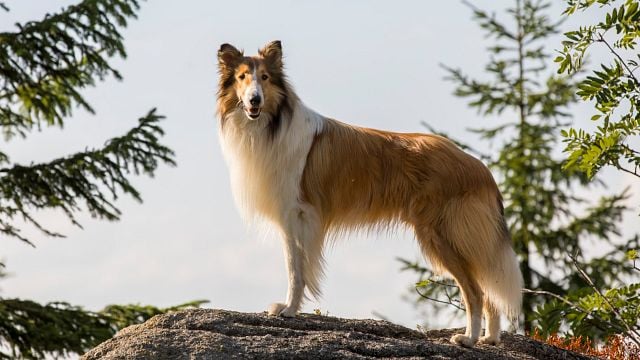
574,263
44,65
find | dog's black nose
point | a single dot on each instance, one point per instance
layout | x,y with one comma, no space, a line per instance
255,101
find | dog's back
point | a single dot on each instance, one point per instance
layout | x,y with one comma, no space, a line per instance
360,177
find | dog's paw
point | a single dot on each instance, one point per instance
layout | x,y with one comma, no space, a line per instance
489,340
276,308
279,309
463,340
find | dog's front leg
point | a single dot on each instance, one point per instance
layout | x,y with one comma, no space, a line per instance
303,242
294,260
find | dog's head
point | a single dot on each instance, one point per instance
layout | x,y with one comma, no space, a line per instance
256,84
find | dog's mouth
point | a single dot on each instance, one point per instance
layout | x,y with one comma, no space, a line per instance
253,112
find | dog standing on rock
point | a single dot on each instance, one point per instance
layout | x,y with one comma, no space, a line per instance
312,176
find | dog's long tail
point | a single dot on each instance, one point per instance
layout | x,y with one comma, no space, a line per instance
477,230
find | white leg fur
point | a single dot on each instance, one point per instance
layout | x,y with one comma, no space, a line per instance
471,335
295,290
492,331
302,243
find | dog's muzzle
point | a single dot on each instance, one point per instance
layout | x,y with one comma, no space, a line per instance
253,112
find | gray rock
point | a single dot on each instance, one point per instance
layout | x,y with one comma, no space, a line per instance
222,334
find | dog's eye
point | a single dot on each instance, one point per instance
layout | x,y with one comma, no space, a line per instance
241,77
265,77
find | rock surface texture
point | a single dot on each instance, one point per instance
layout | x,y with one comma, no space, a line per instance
221,334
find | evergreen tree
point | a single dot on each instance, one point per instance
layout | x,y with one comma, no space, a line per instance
32,331
550,223
44,66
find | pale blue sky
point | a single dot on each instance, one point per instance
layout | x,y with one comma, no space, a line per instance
370,63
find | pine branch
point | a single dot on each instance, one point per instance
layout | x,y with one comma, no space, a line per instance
599,221
489,22
45,63
92,178
32,331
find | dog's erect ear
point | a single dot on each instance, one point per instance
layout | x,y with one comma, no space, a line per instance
272,53
228,56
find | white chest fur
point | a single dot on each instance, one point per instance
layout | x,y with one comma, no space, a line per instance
266,171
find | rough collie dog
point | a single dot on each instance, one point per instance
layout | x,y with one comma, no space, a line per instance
312,176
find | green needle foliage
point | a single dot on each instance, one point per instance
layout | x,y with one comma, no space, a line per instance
59,329
45,63
548,219
44,66
613,88
90,178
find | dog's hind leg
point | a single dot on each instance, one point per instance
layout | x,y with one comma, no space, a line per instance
492,331
302,245
445,258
